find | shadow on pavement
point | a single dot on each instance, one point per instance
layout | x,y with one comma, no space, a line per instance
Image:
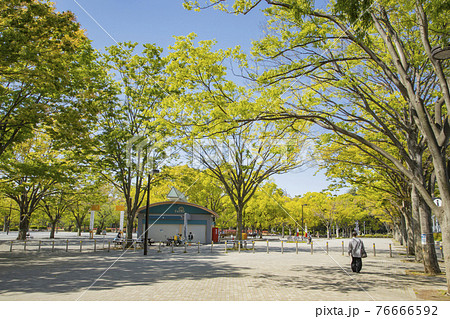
64,274
334,279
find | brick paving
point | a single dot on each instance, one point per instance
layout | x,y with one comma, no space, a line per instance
213,275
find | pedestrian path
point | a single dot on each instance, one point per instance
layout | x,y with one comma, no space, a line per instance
215,275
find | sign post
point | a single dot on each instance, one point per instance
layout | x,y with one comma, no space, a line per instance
121,209
94,208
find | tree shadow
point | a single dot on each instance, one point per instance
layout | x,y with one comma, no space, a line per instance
62,273
336,279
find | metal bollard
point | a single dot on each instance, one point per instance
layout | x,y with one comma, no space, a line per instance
185,249
253,246
134,246
10,247
198,246
442,252
39,246
239,246
67,245
95,245
390,250
81,245
226,247
25,245
374,251
53,246
296,247
312,249
267,246
172,247
342,248
212,246
327,248
407,251
159,247
282,247
109,246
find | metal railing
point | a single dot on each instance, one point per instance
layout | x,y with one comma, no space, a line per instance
239,246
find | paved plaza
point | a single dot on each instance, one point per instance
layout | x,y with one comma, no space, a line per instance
202,274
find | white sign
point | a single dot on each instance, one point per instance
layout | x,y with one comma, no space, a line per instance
438,202
121,220
91,224
424,239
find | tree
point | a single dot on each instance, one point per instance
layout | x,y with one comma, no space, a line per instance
372,107
86,192
48,74
198,187
80,210
240,158
8,213
267,208
323,208
55,206
130,140
29,172
394,42
361,170
242,161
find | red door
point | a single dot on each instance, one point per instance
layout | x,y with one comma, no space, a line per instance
215,234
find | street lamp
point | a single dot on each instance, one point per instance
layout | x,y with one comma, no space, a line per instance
153,172
303,226
441,52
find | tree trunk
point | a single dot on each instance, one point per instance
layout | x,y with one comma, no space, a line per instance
415,207
24,225
409,232
403,232
52,231
79,223
100,227
129,229
398,233
131,216
430,262
239,210
5,222
446,242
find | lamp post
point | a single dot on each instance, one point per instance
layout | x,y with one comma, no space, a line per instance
303,226
441,52
153,172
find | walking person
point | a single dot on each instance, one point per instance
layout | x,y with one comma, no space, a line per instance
357,251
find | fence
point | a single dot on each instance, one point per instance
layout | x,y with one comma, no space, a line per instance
243,246
84,245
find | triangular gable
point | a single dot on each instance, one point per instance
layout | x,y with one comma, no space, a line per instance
175,194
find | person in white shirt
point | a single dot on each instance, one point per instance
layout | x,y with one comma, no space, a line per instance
355,249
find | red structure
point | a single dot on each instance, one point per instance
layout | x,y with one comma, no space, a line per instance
215,234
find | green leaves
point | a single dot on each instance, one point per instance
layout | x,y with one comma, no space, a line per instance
49,74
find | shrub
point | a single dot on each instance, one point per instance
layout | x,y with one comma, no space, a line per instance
437,236
377,235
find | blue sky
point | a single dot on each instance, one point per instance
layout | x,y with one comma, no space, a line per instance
157,21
